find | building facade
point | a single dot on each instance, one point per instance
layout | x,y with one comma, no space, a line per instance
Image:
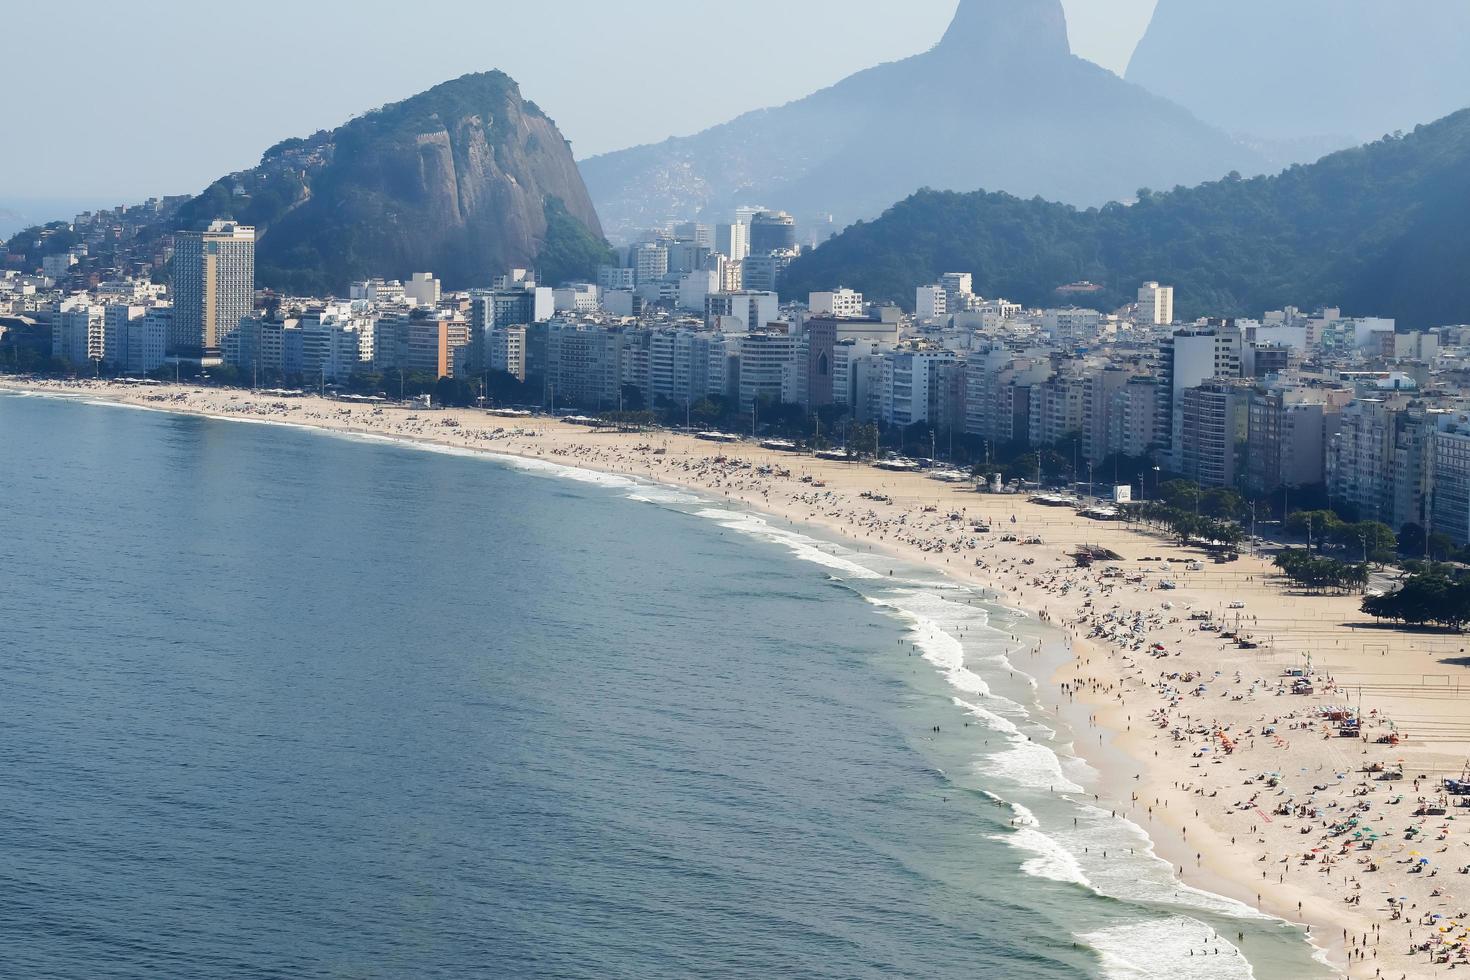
213,285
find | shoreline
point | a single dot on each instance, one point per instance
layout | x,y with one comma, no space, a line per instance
1097,690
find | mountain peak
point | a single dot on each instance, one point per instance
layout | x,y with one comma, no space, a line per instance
1004,66
467,179
1009,27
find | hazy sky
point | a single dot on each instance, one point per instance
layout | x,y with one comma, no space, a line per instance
126,100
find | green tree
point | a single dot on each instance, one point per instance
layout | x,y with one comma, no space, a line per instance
1223,503
1318,525
1425,598
1180,494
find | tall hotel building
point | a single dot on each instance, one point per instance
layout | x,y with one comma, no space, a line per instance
213,285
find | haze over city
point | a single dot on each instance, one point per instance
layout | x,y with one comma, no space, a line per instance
963,488
359,62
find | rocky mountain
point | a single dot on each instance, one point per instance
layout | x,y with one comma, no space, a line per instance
1000,102
465,180
1377,230
1309,72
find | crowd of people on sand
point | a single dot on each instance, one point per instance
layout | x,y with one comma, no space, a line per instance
1273,765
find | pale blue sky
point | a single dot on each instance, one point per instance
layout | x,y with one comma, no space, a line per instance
126,100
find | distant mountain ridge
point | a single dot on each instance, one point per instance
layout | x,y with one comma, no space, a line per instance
465,180
999,102
1309,71
1378,230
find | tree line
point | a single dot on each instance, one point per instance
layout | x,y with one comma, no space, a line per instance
1319,573
1186,525
1433,597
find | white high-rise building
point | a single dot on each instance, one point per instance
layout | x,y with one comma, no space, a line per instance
907,390
422,289
732,241
383,292
213,283
161,318
577,297
744,215
959,290
1187,360
766,359
506,349
1071,326
1156,304
695,288
838,303
742,311
147,341
650,263
117,319
931,302
77,333
616,277
332,345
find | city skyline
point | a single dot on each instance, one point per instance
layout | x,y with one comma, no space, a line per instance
994,514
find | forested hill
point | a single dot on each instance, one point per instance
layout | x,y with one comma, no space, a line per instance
1379,229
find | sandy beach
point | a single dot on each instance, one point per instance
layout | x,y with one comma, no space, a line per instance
1209,696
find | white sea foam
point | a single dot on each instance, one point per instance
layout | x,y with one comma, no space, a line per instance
545,467
1161,948
1026,763
1052,860
1073,854
972,624
1148,878
107,404
941,649
944,651
659,494
74,395
938,626
1076,767
1111,856
803,547
934,601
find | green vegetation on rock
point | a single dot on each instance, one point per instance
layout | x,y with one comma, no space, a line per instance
570,251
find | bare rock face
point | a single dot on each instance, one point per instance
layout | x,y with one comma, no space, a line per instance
1000,103
464,180
1000,28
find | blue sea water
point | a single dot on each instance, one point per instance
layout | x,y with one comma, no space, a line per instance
275,703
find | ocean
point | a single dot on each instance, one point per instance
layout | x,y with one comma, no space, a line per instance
279,703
